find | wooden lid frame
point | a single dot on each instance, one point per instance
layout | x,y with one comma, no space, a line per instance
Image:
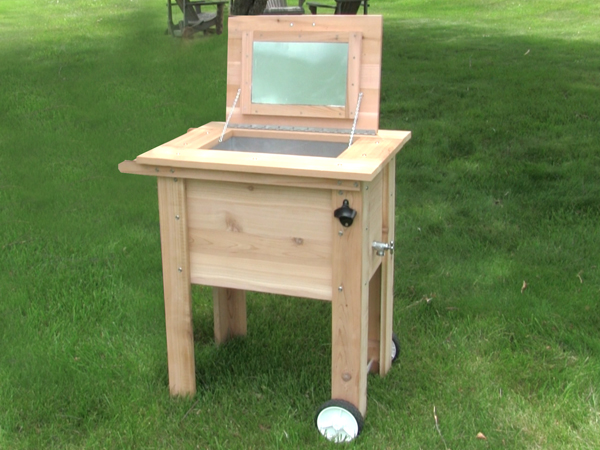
363,35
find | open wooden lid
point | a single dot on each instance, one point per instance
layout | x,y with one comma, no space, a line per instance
304,72
196,154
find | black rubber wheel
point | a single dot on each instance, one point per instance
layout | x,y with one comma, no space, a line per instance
339,421
395,347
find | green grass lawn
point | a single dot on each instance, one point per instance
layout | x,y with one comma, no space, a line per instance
500,185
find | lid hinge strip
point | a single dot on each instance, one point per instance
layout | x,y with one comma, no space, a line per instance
247,126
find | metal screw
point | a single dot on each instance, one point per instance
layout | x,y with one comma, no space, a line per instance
341,233
175,180
356,184
339,182
340,288
172,171
180,269
157,169
177,217
341,192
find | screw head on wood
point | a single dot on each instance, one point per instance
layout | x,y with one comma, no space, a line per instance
180,269
340,288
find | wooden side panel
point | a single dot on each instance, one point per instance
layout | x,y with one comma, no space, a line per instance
350,306
176,281
229,313
260,238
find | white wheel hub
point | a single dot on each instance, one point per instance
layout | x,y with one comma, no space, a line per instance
394,351
337,424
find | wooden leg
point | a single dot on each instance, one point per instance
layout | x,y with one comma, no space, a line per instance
387,268
381,286
350,306
230,313
177,286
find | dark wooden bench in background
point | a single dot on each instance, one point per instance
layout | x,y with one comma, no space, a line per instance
194,18
341,6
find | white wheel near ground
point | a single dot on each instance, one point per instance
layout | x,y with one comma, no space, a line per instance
395,347
339,421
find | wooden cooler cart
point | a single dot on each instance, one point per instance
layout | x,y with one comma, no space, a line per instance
293,195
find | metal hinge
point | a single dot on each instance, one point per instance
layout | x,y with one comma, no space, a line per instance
303,129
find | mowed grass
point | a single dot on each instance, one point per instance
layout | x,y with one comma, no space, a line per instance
500,186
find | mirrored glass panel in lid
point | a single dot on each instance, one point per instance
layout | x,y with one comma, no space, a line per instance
299,73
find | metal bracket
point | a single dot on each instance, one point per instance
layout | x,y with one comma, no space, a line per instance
381,247
355,118
237,96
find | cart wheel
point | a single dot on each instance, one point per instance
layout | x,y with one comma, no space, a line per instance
395,347
339,421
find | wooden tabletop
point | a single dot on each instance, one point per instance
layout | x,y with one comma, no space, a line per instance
362,161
